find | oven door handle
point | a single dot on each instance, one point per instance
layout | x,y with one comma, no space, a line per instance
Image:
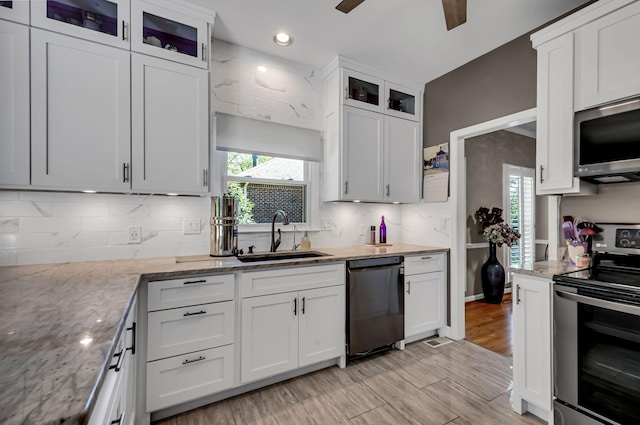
597,302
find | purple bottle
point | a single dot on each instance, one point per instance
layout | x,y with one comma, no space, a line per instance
383,231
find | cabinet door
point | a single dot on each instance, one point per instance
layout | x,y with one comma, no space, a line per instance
363,91
403,169
14,104
80,111
102,21
269,336
15,10
169,34
402,102
608,58
424,303
532,341
362,136
554,143
170,104
322,324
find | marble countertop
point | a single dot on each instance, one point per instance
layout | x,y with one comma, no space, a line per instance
46,373
546,269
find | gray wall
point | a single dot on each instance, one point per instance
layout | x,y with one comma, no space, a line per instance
614,203
500,83
485,155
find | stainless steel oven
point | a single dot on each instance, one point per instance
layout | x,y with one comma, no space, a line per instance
596,316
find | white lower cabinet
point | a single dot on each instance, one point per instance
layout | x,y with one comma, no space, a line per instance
424,297
190,346
116,400
532,373
284,331
188,377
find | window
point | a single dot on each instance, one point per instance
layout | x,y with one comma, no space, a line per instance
519,206
264,184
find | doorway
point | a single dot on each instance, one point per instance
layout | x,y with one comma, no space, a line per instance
459,211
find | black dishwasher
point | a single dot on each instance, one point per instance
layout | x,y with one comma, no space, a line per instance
375,304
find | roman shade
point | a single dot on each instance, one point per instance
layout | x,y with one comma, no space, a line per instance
241,134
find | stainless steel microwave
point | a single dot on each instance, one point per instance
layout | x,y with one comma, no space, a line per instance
607,142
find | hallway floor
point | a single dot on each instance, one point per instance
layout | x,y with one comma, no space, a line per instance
490,325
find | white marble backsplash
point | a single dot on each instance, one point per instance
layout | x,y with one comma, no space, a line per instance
53,227
281,91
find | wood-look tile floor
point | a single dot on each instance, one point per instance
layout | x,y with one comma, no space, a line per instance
459,384
490,325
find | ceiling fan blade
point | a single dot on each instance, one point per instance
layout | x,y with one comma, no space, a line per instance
455,12
347,6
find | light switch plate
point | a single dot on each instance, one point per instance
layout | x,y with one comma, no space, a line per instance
191,226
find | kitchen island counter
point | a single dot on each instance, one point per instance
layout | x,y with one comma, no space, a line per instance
58,323
546,269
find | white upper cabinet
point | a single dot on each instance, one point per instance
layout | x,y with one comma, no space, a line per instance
554,142
402,146
402,102
608,58
373,137
102,21
15,10
80,111
14,104
363,91
160,28
170,111
362,155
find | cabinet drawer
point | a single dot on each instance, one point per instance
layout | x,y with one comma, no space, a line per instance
424,263
188,291
189,329
291,279
184,378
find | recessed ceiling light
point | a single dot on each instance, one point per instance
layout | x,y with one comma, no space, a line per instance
282,39
89,191
172,194
357,201
262,68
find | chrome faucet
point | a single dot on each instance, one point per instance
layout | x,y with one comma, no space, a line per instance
285,220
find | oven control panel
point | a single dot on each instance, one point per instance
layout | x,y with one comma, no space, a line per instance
628,238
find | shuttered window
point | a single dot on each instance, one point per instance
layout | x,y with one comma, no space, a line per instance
519,212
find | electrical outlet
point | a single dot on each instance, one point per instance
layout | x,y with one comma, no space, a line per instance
363,230
135,234
191,226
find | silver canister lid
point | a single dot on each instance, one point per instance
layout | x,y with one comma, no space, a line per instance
224,206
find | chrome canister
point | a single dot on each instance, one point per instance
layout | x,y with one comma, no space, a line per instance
224,225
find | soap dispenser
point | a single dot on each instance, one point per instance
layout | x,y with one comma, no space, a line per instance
305,243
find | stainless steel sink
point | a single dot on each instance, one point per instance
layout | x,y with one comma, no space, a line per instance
284,255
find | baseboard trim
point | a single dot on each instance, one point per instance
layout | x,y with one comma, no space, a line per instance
481,296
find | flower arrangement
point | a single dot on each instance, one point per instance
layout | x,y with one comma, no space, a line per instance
493,228
485,217
501,233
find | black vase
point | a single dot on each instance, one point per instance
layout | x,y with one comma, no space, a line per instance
492,277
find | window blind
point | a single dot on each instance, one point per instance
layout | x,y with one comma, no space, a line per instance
246,135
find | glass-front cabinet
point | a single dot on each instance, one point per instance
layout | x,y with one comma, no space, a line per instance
103,21
401,101
362,91
169,34
15,10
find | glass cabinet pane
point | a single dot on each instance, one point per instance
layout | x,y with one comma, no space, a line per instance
170,35
96,15
402,102
8,4
364,91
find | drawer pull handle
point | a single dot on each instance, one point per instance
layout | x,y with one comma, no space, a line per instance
187,314
133,338
189,282
303,303
200,358
409,287
427,258
120,356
